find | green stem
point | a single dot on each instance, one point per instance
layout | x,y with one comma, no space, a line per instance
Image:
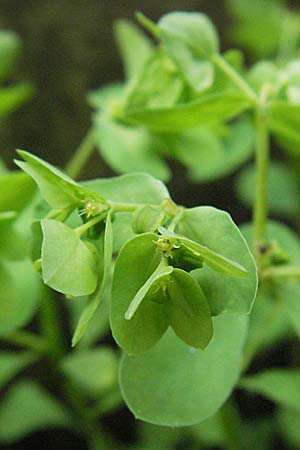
27,340
86,226
235,77
262,165
81,155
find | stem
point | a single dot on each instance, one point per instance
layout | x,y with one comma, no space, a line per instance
86,226
27,340
262,166
235,77
81,155
125,207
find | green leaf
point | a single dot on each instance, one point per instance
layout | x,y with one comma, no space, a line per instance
214,260
94,300
12,244
10,46
107,98
68,265
158,85
94,371
285,293
58,190
12,363
147,218
282,189
155,278
279,385
136,261
215,229
288,422
209,156
175,385
133,45
207,110
27,408
12,97
19,294
129,149
17,190
191,40
130,188
284,122
188,311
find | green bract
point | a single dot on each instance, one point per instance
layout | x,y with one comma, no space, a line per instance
190,384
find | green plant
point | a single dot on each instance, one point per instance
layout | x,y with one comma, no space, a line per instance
177,283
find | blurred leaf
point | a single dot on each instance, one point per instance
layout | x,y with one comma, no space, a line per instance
133,45
209,157
190,384
19,294
207,110
158,85
10,47
284,122
13,97
216,230
279,385
68,265
27,408
282,189
190,39
290,293
129,149
12,363
94,371
17,190
288,422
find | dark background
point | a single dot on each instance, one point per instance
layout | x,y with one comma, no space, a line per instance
68,50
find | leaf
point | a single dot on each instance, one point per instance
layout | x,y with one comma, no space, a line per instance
130,188
94,371
68,265
27,408
208,156
190,39
284,122
215,229
136,261
17,189
12,244
175,385
207,110
12,97
288,422
155,278
214,260
58,190
94,301
158,85
19,295
279,385
133,45
107,97
188,310
128,148
12,363
286,293
10,46
282,189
